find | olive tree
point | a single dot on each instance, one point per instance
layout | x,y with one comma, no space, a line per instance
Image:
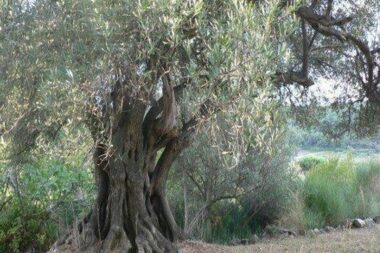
141,77
338,43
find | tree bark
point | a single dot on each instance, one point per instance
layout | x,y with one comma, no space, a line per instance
131,213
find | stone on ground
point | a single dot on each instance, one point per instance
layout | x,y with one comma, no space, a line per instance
358,223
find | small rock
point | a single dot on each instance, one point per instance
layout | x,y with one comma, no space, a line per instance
265,235
358,223
377,219
273,231
270,231
237,242
369,222
329,229
316,230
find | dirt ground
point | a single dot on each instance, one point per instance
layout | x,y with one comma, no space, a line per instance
346,241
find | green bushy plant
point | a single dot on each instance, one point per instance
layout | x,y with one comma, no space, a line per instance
339,189
310,162
368,188
41,200
26,226
329,192
229,222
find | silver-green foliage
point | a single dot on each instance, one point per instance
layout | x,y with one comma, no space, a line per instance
58,56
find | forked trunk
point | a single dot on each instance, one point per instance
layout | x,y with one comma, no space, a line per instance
135,146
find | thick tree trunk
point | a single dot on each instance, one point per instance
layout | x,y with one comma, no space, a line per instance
131,213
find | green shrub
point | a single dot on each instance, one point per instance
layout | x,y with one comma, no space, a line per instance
313,219
339,189
309,162
26,226
368,188
48,196
228,222
329,192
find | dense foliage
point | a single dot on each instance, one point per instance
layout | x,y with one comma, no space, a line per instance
44,192
221,193
310,162
41,201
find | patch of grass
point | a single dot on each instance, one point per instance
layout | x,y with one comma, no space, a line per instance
294,217
368,188
228,222
335,190
360,155
329,192
309,162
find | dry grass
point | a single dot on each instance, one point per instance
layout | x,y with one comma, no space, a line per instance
347,241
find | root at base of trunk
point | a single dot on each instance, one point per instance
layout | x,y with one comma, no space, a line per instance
83,239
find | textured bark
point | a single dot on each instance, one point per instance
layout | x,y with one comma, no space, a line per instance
131,213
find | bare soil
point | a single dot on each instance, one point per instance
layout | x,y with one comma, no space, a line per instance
344,241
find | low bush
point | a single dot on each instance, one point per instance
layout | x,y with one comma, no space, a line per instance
329,192
310,162
24,226
247,188
336,190
368,188
39,202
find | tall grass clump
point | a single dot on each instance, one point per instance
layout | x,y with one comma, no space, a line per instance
309,162
329,193
339,189
368,188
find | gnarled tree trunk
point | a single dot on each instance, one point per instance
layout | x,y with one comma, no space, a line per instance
132,161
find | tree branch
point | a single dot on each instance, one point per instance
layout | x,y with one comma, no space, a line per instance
292,77
305,50
168,119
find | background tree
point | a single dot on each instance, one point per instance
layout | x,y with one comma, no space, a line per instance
337,41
